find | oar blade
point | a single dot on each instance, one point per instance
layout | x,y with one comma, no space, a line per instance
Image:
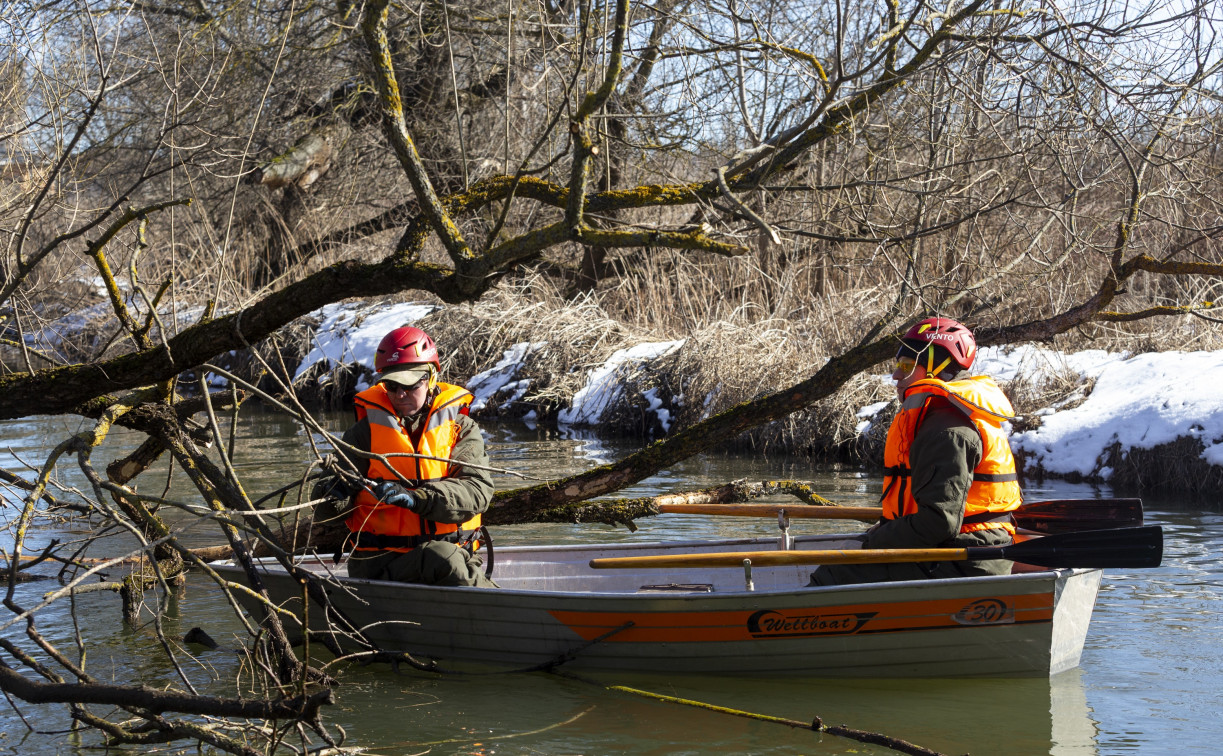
1076,515
1117,547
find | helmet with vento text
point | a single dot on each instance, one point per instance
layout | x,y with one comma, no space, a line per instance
935,342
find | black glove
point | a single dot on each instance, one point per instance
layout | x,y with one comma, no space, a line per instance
333,499
331,488
390,492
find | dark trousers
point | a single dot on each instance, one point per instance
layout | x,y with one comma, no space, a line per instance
434,563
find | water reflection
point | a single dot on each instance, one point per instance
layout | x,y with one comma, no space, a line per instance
554,715
1073,730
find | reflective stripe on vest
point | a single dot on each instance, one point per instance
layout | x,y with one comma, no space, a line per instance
994,491
384,527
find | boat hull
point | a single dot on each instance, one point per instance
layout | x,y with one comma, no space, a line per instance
553,608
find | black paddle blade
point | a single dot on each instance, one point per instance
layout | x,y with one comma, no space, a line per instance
1074,515
1119,547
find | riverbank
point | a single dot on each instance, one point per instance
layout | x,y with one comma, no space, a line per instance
1121,414
1135,421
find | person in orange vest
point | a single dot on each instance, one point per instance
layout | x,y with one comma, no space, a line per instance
950,479
418,517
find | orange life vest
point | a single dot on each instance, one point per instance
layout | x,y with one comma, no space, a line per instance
995,484
384,527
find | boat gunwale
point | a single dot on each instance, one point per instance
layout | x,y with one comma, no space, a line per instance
1052,575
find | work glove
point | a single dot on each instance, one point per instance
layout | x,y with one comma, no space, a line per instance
333,498
331,488
390,492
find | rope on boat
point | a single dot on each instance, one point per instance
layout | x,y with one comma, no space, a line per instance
816,725
572,653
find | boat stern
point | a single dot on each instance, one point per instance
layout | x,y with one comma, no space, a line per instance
1075,593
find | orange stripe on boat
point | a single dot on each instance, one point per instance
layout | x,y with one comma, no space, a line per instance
848,619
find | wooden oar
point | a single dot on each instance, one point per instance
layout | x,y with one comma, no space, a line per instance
1056,516
1120,547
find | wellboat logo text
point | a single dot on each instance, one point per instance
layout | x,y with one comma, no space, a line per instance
770,623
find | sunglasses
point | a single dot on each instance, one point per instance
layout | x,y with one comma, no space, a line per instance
398,388
905,365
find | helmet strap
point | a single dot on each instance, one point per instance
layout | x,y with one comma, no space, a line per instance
931,370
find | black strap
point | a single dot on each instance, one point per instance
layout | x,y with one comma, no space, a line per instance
1000,518
894,474
486,540
995,477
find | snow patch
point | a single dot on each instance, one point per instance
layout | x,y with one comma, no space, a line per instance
867,415
500,377
1138,402
662,413
603,385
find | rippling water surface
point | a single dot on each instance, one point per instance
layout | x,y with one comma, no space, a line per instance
1148,683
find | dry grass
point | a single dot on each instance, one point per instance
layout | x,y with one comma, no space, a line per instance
578,335
1035,392
729,355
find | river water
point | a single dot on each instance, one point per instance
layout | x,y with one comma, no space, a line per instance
1148,683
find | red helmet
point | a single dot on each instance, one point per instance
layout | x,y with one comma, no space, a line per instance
406,346
951,335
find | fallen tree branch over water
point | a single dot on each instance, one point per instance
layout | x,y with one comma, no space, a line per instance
161,701
624,511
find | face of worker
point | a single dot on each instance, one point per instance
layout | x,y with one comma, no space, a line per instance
906,373
407,400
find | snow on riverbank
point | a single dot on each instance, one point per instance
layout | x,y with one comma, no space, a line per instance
1111,400
603,384
350,332
1139,402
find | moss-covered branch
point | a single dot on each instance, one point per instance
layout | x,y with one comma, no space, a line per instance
624,511
373,26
